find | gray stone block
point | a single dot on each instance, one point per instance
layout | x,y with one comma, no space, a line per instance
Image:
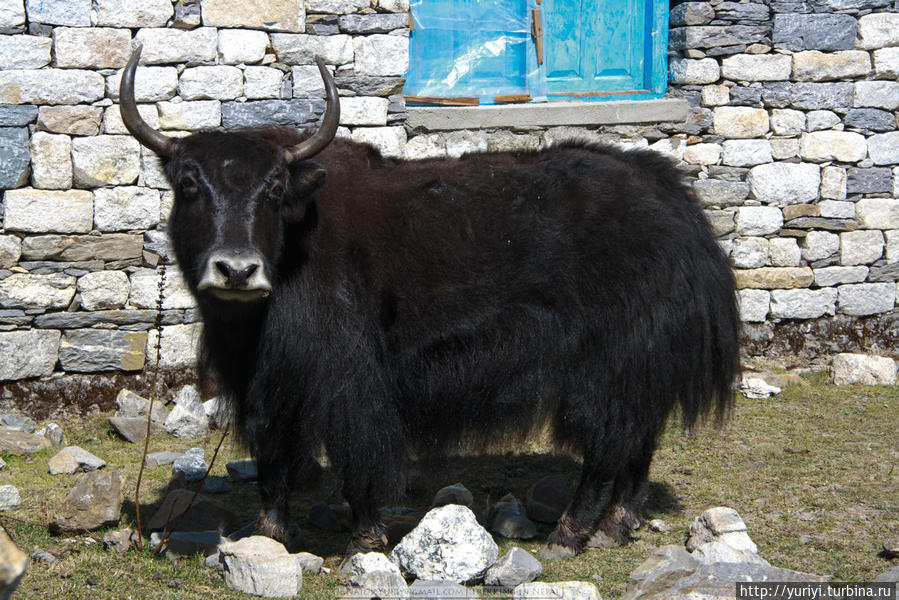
814,31
871,119
27,353
95,350
15,157
816,96
12,115
270,112
874,180
378,23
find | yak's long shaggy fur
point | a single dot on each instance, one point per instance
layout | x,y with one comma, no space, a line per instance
414,301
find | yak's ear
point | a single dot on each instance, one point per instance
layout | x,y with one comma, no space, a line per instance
305,179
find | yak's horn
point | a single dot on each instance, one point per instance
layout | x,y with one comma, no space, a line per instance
146,135
328,128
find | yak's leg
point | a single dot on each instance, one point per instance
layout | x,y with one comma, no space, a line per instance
369,533
579,520
623,515
275,485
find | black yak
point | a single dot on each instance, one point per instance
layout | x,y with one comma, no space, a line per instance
372,307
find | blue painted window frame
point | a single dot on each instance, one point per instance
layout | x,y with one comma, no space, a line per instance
478,50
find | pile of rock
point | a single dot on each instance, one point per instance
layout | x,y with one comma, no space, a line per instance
189,417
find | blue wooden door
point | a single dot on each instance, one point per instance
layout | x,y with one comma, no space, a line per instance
596,46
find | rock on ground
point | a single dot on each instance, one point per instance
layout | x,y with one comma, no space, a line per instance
242,470
74,459
447,545
188,543
203,515
132,405
508,519
9,498
119,541
366,562
547,498
192,464
440,590
261,566
16,442
94,502
54,433
14,563
188,419
516,567
453,494
720,523
849,369
377,585
132,429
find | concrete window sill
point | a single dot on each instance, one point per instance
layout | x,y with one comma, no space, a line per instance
550,114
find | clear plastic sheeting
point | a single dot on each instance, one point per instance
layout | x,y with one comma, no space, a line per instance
473,51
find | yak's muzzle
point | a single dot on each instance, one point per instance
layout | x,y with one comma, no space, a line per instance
235,275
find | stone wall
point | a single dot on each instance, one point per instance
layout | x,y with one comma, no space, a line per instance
791,144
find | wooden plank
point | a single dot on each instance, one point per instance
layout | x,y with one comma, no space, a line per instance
459,101
512,98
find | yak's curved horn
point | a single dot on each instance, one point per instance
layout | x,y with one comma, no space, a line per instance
146,135
328,128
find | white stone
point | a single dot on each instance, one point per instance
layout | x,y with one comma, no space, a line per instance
878,213
307,82
12,16
715,95
740,122
686,71
754,305
886,62
103,290
784,148
819,66
241,46
389,140
720,523
702,154
51,161
673,147
746,153
719,551
785,183
557,590
860,247
784,252
190,116
394,6
465,142
90,48
803,304
50,86
169,45
178,347
127,13
818,245
863,299
833,183
877,94
884,148
211,83
750,252
381,55
843,146
367,562
336,7
145,290
10,251
892,246
822,119
265,82
151,171
188,418
151,84
105,160
758,220
878,30
831,276
24,51
11,500
425,146
25,290
851,369
31,353
786,121
448,545
836,209
126,208
113,124
270,15
299,49
758,67
76,13
261,566
39,211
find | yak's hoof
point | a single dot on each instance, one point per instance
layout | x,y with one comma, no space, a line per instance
556,551
367,543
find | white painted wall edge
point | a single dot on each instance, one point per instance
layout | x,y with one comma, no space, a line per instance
550,114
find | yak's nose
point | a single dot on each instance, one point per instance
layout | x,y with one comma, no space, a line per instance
235,275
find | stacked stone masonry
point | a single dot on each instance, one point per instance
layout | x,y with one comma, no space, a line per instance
791,145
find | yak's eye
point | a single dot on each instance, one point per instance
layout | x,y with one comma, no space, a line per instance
276,191
188,185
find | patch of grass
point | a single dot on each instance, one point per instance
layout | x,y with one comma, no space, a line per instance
814,472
